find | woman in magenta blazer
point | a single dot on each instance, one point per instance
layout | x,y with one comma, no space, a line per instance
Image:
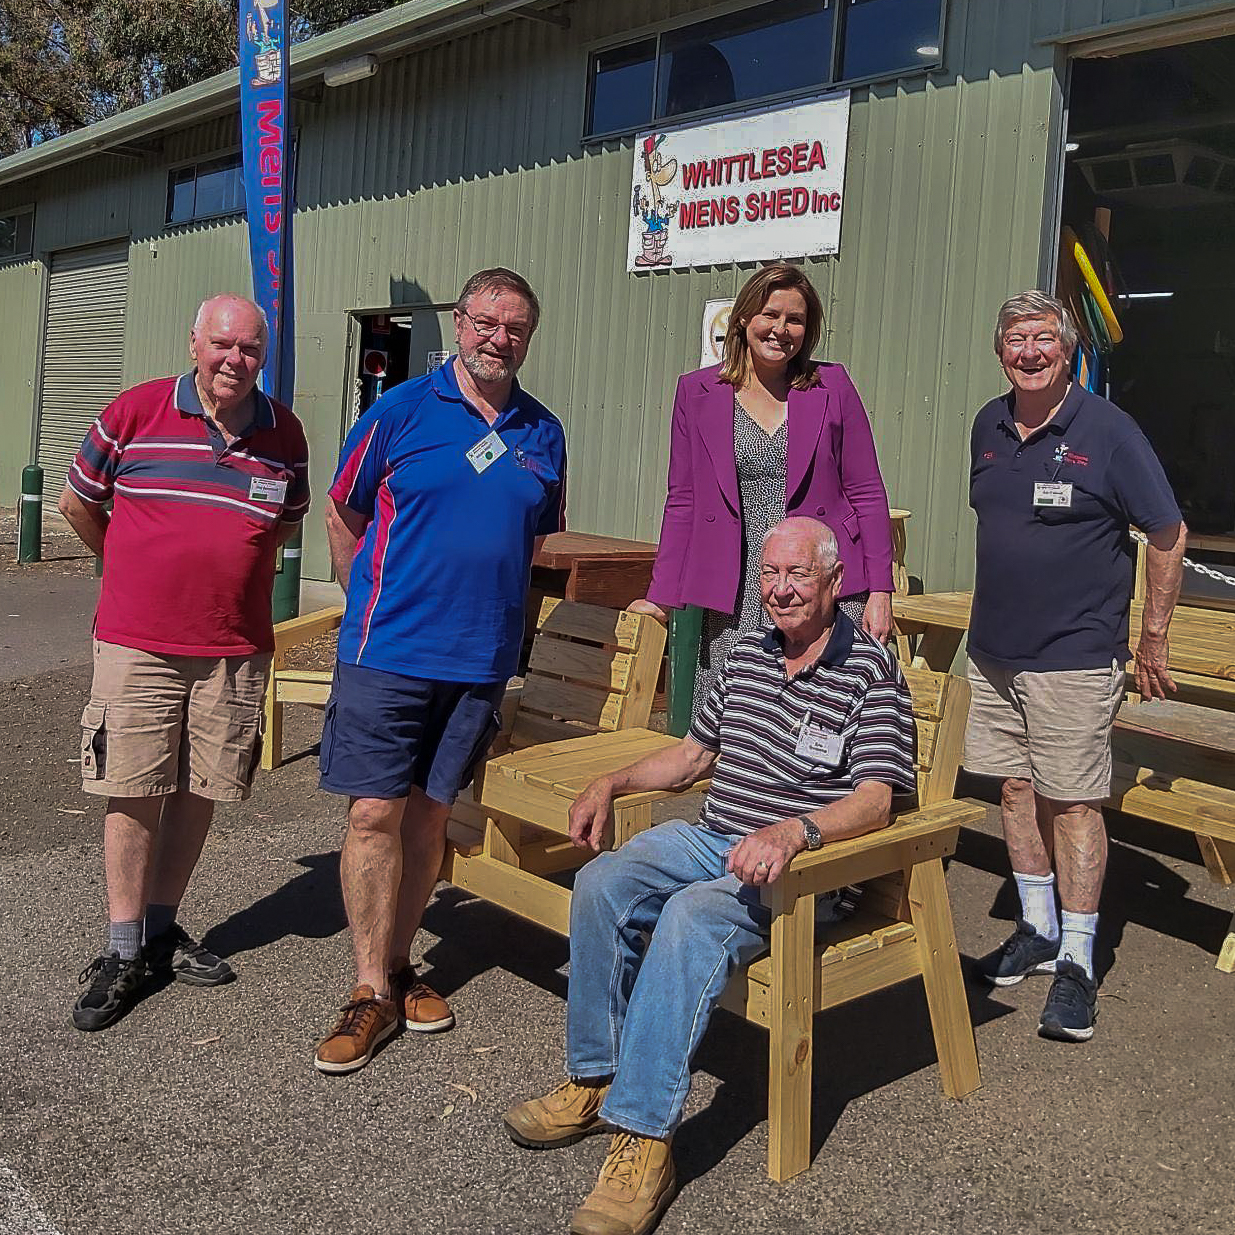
766,434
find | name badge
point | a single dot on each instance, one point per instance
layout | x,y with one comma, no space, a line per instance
262,489
1052,493
818,745
486,451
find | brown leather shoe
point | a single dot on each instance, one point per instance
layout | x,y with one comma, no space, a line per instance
567,1115
423,1010
636,1184
365,1023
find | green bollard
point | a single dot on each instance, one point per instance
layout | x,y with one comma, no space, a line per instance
285,598
30,515
685,626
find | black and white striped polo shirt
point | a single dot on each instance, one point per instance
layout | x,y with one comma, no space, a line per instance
754,713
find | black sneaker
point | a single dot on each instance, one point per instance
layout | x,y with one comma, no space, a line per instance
1072,1005
1023,953
176,954
113,990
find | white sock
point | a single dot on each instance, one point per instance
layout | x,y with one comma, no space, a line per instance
1076,943
1038,903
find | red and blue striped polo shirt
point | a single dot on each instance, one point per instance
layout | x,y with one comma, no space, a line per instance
188,560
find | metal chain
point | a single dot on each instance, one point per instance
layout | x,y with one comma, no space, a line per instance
1199,567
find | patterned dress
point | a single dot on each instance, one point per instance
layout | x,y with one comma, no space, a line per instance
760,459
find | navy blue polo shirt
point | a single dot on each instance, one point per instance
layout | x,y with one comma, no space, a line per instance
439,580
1053,584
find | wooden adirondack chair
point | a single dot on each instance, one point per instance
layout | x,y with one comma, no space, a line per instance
903,929
311,686
591,670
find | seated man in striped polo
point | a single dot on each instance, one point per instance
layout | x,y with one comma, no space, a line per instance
807,733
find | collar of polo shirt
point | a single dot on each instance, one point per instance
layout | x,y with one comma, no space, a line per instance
1059,423
835,651
188,400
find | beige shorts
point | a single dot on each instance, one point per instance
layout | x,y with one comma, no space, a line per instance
157,723
1053,729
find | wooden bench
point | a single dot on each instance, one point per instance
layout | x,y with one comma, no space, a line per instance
311,686
592,670
903,929
1175,765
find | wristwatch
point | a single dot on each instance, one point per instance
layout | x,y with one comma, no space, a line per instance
810,833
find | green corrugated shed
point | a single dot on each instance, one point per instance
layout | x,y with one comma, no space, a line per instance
467,152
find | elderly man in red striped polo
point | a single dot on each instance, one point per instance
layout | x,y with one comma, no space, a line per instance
807,733
206,477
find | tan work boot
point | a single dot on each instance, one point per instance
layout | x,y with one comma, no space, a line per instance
422,1009
567,1115
636,1184
364,1024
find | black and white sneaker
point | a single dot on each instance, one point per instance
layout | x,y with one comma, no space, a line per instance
1022,953
113,989
1072,1005
176,954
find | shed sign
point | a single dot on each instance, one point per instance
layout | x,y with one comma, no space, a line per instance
749,188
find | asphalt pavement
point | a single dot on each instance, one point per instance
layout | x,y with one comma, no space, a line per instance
201,1111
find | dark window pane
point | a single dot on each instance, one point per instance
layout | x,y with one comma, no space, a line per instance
1201,171
1108,176
622,83
180,194
1155,169
766,50
888,36
16,234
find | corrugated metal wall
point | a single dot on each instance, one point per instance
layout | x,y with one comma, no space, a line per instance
21,298
468,154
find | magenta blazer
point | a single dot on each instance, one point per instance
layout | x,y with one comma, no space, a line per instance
832,473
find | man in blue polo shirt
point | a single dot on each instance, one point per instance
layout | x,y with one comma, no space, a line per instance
443,489
1058,477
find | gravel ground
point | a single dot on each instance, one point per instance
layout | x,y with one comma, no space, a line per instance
201,1110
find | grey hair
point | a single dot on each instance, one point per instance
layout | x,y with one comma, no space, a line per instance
257,308
823,539
1035,304
499,279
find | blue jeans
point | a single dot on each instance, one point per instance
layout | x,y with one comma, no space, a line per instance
637,1009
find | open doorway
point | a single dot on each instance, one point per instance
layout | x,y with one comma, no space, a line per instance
1149,192
398,345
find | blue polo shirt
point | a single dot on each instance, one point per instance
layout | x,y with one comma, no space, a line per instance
439,581
1053,584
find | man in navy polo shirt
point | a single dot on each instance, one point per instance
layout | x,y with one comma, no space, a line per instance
444,487
1058,477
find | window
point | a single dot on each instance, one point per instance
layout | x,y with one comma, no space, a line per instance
205,190
17,234
765,51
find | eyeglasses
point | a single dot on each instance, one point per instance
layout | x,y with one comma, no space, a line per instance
518,335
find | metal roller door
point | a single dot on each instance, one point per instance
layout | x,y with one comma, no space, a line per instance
83,351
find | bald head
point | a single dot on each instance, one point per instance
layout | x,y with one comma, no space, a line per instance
231,302
799,576
816,538
228,346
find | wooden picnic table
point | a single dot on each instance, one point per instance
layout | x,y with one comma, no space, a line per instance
1202,642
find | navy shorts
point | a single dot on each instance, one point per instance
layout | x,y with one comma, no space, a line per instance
385,733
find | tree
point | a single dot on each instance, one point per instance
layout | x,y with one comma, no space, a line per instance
68,63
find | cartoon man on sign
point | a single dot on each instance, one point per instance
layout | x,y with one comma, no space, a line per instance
655,211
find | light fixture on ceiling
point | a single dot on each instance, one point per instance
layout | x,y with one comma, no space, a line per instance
347,71
929,50
1145,295
1072,147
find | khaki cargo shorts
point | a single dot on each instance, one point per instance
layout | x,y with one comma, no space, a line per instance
1053,729
158,723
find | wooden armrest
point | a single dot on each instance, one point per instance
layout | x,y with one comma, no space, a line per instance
658,795
911,836
509,706
308,626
